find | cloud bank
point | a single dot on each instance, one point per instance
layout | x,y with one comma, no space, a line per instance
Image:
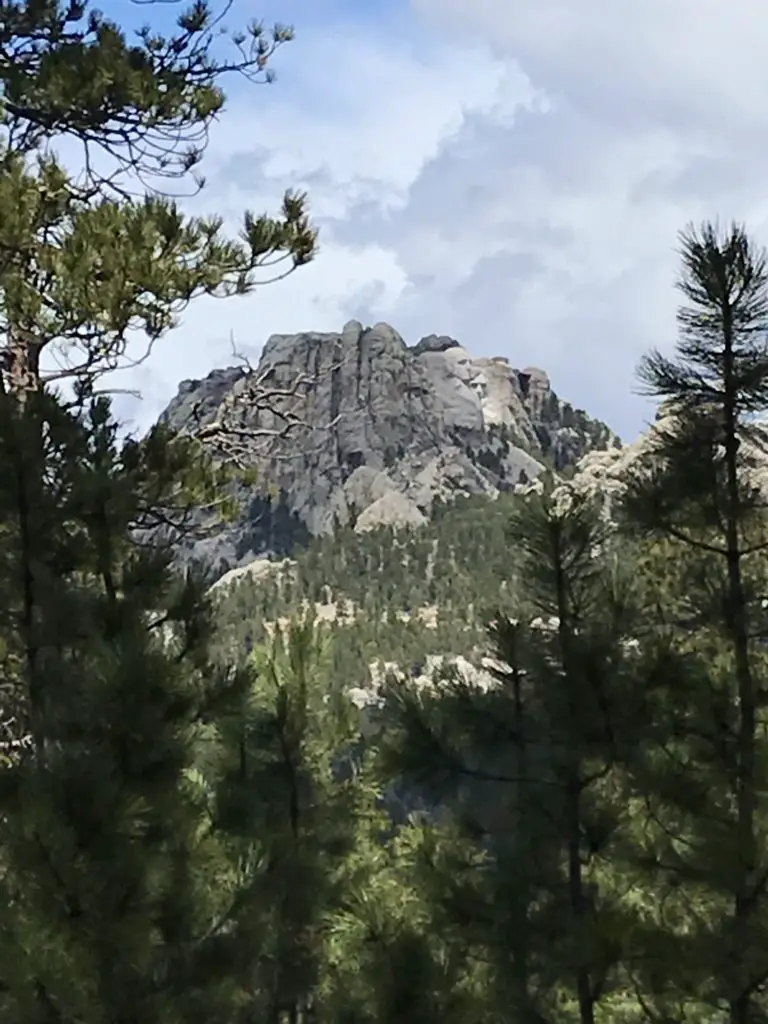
512,175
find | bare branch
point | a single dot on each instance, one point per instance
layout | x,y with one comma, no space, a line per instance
262,411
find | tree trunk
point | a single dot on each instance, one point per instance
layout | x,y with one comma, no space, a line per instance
744,901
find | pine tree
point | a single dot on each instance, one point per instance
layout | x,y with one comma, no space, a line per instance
700,493
68,71
92,255
81,275
391,956
113,881
289,795
87,259
526,769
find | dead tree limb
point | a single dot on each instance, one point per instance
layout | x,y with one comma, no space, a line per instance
262,412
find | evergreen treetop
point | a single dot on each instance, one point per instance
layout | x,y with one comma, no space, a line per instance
90,254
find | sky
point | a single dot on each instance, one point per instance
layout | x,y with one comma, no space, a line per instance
513,175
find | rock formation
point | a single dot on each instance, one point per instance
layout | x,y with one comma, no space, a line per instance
386,432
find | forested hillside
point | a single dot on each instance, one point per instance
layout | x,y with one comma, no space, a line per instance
358,429
394,594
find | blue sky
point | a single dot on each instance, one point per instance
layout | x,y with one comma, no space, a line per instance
514,175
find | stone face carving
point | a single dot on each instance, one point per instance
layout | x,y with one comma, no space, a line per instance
389,429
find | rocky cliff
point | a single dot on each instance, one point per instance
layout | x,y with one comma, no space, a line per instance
379,433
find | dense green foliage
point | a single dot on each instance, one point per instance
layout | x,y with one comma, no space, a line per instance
107,861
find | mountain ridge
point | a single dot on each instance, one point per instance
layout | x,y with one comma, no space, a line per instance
357,429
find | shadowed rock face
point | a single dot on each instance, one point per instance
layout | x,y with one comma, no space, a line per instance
387,430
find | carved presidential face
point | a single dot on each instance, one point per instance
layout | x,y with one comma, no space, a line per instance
460,363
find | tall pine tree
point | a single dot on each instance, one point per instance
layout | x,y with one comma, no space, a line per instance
289,797
700,493
113,877
94,253
526,769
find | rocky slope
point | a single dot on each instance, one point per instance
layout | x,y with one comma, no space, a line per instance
381,433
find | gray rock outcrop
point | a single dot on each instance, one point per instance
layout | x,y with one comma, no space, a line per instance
381,432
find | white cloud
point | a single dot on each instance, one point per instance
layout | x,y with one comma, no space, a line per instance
656,117
358,138
511,174
701,59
